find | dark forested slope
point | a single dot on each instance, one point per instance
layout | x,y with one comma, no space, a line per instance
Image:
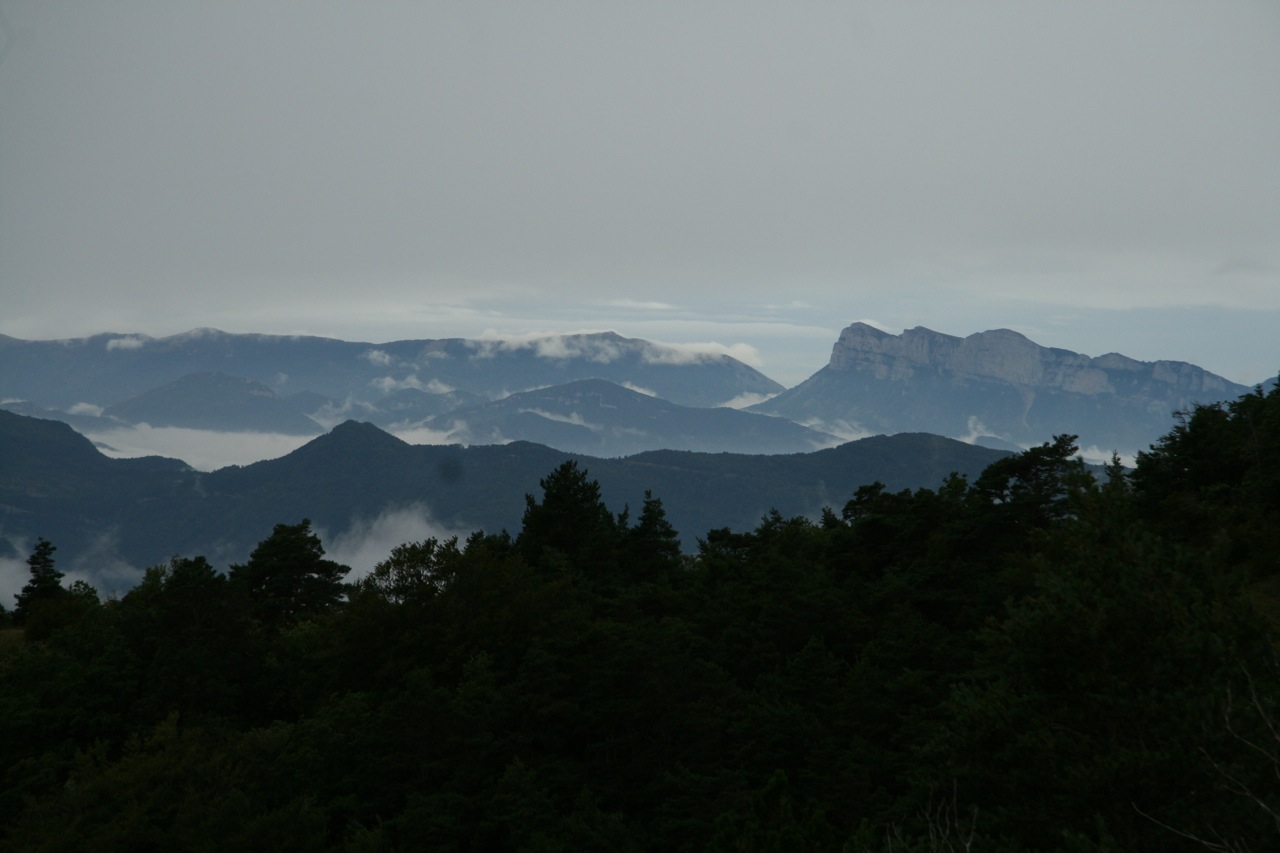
148,510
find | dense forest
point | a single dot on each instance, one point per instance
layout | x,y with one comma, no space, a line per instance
1038,660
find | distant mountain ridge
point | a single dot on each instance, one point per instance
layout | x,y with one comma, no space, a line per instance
215,401
997,383
107,369
100,511
997,388
600,418
1007,356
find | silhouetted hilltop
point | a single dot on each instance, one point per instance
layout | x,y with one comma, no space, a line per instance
143,511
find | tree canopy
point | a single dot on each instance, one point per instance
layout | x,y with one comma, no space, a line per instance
287,577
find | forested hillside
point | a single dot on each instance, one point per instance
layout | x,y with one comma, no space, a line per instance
55,484
1035,660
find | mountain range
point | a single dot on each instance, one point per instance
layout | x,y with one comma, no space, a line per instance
603,394
599,418
106,369
103,512
998,384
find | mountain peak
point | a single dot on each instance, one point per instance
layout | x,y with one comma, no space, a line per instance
999,354
346,444
997,382
359,431
593,386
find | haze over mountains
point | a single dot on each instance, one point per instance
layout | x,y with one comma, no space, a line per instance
995,387
597,417
216,401
111,517
106,369
503,414
300,386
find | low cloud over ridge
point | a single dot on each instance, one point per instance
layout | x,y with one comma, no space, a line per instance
607,347
367,542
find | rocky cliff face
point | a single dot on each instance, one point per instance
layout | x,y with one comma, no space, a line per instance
996,383
1002,355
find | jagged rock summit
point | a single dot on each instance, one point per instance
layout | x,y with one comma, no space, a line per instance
1003,355
995,383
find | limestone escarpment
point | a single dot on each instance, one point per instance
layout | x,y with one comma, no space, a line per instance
1003,355
997,383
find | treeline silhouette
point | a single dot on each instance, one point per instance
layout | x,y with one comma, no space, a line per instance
1037,660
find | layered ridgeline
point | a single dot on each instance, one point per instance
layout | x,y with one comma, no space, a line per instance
998,384
600,418
602,394
215,401
645,395
101,512
105,370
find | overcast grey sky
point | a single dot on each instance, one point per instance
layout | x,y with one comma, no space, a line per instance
1099,176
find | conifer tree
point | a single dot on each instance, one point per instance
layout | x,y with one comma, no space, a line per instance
653,545
45,583
287,577
572,520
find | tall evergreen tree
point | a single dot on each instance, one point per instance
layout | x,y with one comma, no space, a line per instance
45,583
287,577
652,545
572,520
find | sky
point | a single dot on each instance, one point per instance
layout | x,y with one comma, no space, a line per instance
1100,176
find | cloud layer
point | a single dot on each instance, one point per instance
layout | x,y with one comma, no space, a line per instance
204,450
